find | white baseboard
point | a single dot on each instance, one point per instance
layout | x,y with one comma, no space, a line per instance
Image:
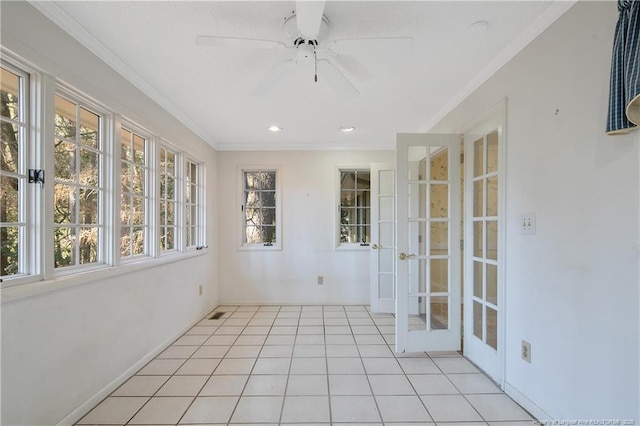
526,403
88,405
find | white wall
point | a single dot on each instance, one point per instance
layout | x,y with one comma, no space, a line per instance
66,348
309,206
571,289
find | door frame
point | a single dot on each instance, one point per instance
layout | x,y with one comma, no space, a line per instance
494,118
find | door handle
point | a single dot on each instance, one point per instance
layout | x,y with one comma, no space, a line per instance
404,256
375,246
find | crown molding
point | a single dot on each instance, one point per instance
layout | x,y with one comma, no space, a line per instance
59,17
551,14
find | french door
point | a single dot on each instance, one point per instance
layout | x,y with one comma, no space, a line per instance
427,242
484,251
383,238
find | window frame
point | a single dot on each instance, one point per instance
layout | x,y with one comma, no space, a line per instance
178,200
198,224
104,225
345,246
242,244
148,204
27,216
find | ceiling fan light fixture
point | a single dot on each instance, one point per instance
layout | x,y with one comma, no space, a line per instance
274,129
347,129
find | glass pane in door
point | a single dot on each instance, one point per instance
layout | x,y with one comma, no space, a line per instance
485,239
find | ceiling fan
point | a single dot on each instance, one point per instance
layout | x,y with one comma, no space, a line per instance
305,30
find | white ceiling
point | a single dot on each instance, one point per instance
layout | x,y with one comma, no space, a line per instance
211,89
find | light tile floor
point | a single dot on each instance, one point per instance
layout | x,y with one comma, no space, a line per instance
303,365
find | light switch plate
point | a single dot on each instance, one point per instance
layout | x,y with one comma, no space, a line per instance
528,223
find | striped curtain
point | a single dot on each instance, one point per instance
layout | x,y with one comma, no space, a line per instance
624,94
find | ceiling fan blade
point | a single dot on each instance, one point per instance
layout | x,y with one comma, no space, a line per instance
273,77
380,44
236,42
336,79
351,65
309,17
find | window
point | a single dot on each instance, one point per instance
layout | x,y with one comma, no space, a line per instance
355,206
168,200
78,190
134,199
70,225
260,208
13,173
194,207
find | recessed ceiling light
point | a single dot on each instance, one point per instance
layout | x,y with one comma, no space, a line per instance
347,129
275,129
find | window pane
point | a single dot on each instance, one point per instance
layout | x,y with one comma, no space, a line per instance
9,199
138,179
477,279
125,209
65,160
439,275
139,150
64,247
9,91
492,239
125,140
268,199
88,245
439,237
439,313
492,196
65,118
478,160
89,128
439,200
138,240
10,254
88,206
492,152
492,328
269,234
477,239
440,165
252,198
477,320
363,198
492,284
89,168
138,211
125,241
64,203
9,146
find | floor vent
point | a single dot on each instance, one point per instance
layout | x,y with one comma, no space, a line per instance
217,315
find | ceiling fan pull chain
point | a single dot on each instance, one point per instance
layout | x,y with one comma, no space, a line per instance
315,64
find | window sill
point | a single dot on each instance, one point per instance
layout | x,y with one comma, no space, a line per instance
68,280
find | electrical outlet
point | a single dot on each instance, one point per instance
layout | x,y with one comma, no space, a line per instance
526,351
200,289
320,280
528,223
